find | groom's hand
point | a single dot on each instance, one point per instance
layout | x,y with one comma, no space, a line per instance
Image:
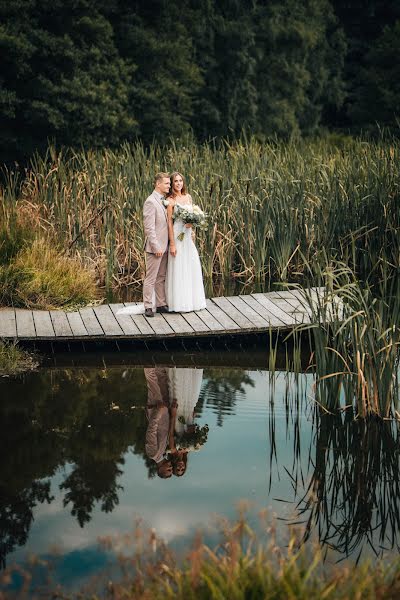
158,253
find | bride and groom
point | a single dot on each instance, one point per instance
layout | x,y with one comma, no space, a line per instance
173,280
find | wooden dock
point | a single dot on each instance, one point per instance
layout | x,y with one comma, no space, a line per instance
254,313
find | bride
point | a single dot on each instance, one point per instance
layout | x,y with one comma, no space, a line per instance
184,281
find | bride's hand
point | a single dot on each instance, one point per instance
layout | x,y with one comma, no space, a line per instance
188,225
172,250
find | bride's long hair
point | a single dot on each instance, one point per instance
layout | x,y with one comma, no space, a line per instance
184,190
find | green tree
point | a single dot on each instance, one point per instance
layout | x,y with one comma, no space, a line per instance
224,39
153,37
301,52
61,77
378,92
363,23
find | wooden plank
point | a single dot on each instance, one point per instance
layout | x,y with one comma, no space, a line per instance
246,310
301,309
195,322
76,323
60,323
221,317
160,325
285,294
209,320
272,320
283,303
318,297
125,321
8,325
178,323
43,325
233,313
274,309
299,316
25,323
107,321
141,322
91,323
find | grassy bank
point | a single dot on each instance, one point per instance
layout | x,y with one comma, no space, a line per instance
14,360
273,208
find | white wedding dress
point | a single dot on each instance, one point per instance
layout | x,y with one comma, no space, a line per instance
184,387
184,283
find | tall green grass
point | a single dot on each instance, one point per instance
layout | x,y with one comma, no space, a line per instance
272,207
355,336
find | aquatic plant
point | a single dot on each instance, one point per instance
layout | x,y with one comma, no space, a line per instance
14,360
355,336
273,208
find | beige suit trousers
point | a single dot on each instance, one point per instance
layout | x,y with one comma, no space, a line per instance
156,270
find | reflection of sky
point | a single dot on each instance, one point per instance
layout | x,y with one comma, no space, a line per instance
234,464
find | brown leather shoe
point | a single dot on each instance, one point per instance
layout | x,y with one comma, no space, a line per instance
148,312
162,309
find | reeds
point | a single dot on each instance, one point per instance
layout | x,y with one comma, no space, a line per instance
355,336
272,208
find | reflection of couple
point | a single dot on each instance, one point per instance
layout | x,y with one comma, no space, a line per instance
172,432
173,280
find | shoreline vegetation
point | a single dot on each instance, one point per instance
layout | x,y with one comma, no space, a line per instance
277,211
320,212
240,567
15,360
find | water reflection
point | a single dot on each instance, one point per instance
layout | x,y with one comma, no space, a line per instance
89,440
353,496
172,395
83,423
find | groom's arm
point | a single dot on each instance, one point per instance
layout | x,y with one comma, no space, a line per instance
149,222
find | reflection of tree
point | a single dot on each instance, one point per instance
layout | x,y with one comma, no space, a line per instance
353,497
221,389
16,515
91,483
87,417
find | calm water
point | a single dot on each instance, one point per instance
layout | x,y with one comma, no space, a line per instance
79,446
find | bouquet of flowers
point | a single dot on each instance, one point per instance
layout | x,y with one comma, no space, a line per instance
190,214
193,438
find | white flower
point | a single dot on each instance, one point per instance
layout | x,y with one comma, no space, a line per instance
165,202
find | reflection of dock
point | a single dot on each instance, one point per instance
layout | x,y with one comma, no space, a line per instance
256,313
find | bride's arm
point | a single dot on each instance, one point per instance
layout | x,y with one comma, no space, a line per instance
172,248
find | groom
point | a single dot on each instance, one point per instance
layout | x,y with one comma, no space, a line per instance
156,246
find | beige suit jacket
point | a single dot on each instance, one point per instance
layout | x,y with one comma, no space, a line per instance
155,225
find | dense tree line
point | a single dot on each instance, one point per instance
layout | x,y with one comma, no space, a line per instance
96,72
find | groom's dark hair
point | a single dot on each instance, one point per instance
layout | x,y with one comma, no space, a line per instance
160,177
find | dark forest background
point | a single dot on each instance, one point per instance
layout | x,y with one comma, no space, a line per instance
96,72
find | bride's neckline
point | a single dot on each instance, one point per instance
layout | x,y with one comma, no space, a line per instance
175,199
